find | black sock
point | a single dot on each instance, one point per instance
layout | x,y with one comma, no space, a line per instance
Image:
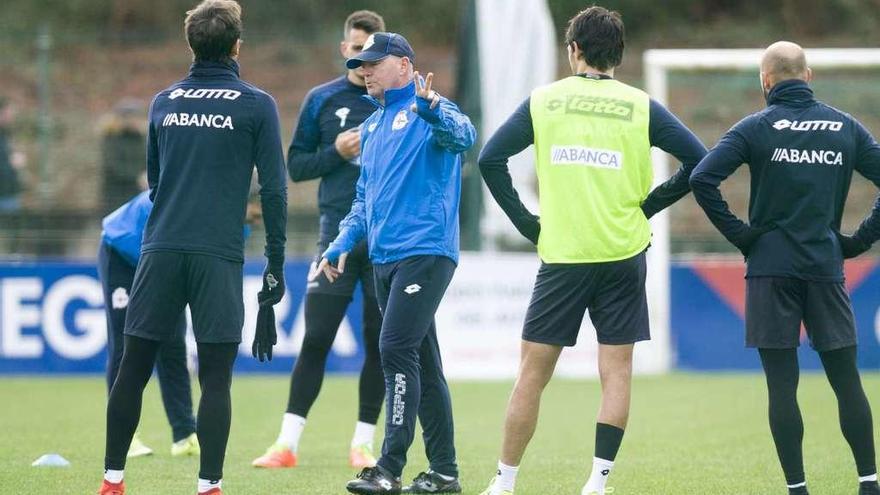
124,405
608,440
786,424
371,388
853,407
323,315
215,406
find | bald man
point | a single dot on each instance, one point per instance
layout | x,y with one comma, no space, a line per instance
801,155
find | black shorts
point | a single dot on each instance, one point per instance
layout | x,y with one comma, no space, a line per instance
776,306
614,293
166,281
357,268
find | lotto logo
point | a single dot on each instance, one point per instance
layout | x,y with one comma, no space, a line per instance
595,106
808,125
412,289
226,94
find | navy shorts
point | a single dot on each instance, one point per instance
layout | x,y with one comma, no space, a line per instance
613,292
166,281
357,269
776,307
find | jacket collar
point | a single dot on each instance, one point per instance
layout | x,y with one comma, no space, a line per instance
791,92
396,95
201,68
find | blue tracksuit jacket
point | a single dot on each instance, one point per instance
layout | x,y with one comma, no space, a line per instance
407,196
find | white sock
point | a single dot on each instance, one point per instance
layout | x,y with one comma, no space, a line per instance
862,479
291,429
113,476
506,477
205,485
363,434
599,475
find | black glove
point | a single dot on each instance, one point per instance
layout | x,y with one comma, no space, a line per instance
265,336
749,236
851,246
273,284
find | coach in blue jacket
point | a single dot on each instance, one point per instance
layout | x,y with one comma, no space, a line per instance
407,208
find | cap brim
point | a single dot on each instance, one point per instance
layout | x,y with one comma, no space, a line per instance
355,62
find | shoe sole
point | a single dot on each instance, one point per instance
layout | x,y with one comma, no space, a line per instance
358,491
442,492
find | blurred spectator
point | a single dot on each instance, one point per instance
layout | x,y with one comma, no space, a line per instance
10,162
123,153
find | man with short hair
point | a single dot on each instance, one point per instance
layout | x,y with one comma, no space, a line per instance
801,155
326,145
592,137
406,207
205,134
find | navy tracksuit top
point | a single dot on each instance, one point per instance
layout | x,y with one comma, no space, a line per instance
205,134
801,155
328,109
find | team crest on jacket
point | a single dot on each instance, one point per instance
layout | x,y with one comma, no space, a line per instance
400,121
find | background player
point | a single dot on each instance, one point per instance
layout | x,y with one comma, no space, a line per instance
117,260
326,145
407,207
594,173
801,155
205,134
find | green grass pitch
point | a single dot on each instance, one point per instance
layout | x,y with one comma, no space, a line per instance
688,434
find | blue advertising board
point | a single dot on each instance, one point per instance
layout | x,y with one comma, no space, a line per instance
707,316
52,320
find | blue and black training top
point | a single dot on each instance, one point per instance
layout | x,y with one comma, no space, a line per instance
205,134
801,155
328,109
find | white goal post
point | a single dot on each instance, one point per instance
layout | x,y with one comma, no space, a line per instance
657,65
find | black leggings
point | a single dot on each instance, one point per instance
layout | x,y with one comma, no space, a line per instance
324,313
124,406
215,407
782,371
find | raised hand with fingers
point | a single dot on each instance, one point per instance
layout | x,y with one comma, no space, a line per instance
427,99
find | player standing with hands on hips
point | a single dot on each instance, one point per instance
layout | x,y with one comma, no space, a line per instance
592,137
205,134
406,207
801,155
